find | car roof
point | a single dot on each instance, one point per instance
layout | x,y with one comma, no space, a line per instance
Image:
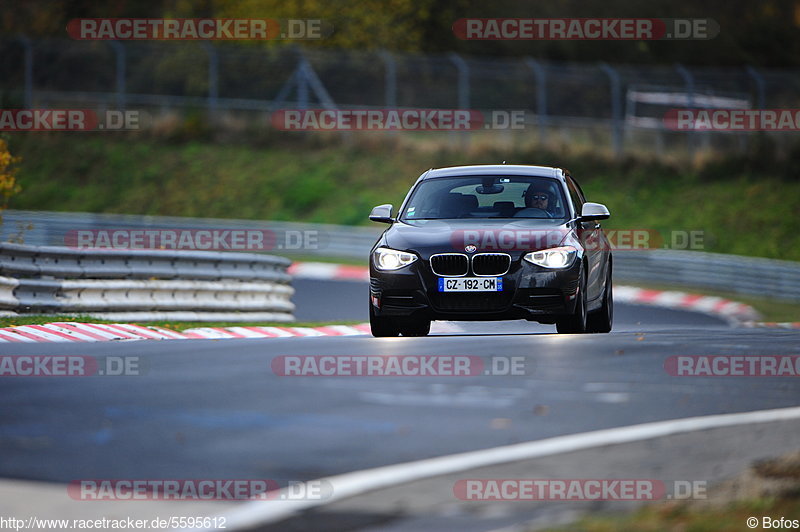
493,169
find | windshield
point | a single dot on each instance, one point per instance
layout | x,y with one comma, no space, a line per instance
486,197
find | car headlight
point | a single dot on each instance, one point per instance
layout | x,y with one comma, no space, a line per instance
386,259
560,257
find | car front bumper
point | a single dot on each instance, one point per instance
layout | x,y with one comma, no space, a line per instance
529,292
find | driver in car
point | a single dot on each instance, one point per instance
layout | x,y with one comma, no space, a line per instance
538,198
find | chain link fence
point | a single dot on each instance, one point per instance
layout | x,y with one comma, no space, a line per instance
563,101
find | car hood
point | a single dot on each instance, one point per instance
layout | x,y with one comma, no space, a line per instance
515,237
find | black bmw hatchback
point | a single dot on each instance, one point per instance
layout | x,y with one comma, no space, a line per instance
492,242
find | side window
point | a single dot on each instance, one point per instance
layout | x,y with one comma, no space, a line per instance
575,195
579,189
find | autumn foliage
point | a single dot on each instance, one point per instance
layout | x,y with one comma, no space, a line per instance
8,171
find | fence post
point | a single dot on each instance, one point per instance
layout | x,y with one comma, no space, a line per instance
688,80
304,79
213,79
302,84
761,90
28,74
760,86
463,90
119,51
541,93
463,80
616,106
390,79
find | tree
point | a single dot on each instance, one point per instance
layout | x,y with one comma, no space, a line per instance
8,175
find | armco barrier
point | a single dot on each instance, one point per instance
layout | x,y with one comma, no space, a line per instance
731,273
45,228
692,269
167,284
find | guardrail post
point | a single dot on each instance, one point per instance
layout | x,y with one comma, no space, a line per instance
28,74
213,79
616,107
119,51
688,81
541,93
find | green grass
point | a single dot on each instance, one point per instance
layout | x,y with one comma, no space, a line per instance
743,207
174,325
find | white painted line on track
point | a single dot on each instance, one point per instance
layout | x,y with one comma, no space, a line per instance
251,514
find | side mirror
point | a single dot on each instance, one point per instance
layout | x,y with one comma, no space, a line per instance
594,211
382,213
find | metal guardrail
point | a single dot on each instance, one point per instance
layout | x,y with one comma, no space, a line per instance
47,228
145,284
755,276
731,273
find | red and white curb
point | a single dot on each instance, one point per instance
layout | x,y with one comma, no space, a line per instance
97,332
328,272
733,311
772,324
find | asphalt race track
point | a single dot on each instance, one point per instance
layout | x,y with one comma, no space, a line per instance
214,408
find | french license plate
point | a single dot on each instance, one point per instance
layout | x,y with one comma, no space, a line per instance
470,284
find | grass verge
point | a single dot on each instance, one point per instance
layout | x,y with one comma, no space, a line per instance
740,205
12,321
681,517
767,488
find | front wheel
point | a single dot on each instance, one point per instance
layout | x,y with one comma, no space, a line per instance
575,323
381,326
602,319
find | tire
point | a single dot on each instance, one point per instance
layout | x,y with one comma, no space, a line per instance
602,319
421,327
382,327
575,323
